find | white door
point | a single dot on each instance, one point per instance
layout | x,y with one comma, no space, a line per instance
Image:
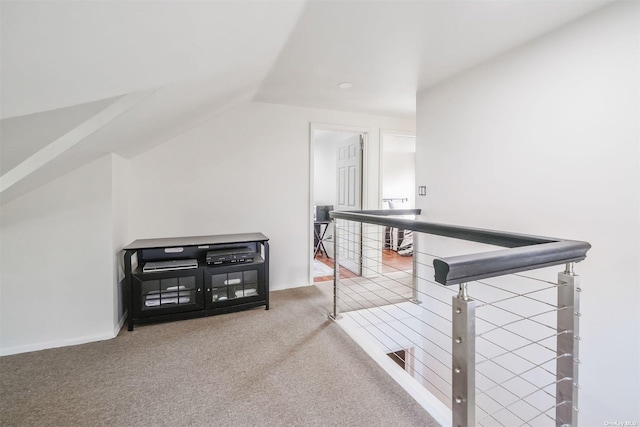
349,197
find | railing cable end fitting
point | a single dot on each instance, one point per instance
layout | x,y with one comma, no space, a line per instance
462,292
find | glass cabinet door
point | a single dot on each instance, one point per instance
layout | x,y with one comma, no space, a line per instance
163,293
232,285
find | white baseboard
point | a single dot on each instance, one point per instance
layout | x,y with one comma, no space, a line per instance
55,344
120,324
65,342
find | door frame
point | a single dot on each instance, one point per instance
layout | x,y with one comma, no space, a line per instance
316,126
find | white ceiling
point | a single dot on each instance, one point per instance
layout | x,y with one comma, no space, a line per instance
62,61
61,53
392,49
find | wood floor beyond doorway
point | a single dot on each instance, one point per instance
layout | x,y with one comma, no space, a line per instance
391,261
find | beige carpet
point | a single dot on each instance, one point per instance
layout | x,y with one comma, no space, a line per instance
288,366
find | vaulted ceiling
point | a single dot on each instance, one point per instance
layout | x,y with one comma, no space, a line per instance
81,79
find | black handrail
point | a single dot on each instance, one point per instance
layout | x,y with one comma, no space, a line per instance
525,252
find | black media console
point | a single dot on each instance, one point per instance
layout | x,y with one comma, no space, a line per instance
175,278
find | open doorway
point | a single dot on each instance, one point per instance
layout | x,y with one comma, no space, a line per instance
337,185
398,176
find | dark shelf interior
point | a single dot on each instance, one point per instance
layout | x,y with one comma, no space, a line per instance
174,289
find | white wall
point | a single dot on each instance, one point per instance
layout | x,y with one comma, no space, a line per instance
324,172
399,177
245,170
398,168
545,140
57,262
120,215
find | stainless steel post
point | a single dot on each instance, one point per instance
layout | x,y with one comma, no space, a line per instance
463,393
414,277
567,348
336,269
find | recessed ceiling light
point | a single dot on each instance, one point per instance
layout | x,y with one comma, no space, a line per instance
345,85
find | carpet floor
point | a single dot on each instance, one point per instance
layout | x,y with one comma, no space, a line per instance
288,366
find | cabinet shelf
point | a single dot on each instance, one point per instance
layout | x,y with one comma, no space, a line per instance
170,291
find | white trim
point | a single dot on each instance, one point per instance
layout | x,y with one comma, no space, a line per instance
120,324
438,410
56,344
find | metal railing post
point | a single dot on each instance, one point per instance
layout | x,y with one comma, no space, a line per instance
567,348
463,370
414,276
336,269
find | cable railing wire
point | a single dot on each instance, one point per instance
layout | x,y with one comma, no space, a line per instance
381,284
398,319
400,345
422,321
421,307
397,343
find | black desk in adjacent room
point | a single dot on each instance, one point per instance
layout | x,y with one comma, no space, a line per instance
319,232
